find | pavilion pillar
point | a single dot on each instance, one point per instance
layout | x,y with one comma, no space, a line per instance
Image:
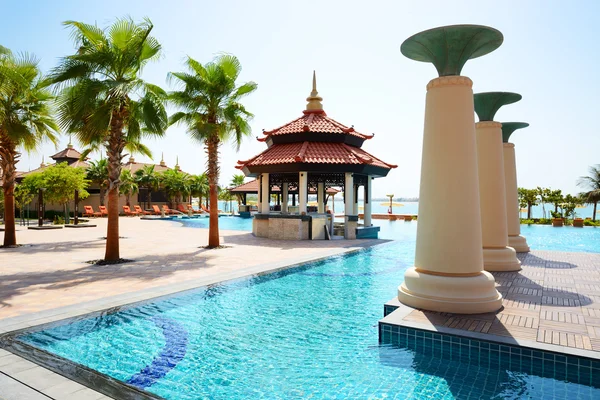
321,197
367,202
448,274
515,240
302,191
284,199
497,256
260,195
355,197
350,219
265,206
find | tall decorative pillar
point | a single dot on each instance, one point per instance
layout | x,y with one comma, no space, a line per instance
265,205
260,195
515,239
497,256
285,197
302,191
448,274
321,197
367,202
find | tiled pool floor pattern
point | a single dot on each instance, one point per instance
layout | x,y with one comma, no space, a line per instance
554,299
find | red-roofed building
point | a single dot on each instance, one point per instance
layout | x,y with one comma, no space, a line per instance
313,153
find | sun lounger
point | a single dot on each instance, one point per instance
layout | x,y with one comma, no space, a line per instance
156,210
181,209
103,211
168,210
89,212
139,210
128,212
195,211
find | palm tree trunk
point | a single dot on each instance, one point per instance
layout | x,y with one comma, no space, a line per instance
149,199
594,215
213,177
114,153
528,210
102,195
8,161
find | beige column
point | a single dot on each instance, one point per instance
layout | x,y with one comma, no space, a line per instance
321,197
350,219
259,196
515,240
367,202
497,256
284,197
266,198
448,275
302,191
355,204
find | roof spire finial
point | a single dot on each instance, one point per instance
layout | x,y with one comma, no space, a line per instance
70,145
42,164
162,160
177,164
314,100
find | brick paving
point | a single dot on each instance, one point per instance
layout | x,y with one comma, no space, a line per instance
50,271
554,299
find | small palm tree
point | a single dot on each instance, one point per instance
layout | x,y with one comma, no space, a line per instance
237,180
147,178
176,185
592,182
25,122
104,102
210,108
128,185
97,173
199,187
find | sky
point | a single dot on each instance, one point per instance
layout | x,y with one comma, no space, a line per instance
549,55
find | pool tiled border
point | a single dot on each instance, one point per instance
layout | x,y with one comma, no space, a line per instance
11,326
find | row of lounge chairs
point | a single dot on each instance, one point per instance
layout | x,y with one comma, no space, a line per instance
137,210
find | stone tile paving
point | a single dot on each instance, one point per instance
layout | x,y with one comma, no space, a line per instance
553,300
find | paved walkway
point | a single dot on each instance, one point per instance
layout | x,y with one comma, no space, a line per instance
552,303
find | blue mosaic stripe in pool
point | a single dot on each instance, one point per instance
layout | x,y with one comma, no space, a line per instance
562,367
388,309
347,274
176,338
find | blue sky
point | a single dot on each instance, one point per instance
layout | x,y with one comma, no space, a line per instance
550,55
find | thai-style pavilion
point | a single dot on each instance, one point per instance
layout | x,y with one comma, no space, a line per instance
313,153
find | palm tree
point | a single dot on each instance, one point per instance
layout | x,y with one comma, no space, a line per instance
147,178
592,181
104,102
237,180
128,185
199,187
527,198
176,185
210,106
25,122
97,173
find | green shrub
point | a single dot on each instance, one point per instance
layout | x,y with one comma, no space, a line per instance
589,222
527,221
545,221
58,220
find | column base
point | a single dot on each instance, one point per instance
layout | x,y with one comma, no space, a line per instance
519,243
500,259
452,294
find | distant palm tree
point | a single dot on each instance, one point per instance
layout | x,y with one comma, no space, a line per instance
25,122
592,181
236,181
128,185
104,102
199,187
147,178
210,106
176,185
97,173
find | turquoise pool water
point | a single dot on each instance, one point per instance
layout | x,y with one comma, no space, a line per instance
308,332
539,237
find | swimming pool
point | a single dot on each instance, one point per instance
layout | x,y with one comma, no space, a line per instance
539,237
306,332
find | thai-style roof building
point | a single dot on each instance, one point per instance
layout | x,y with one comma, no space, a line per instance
314,153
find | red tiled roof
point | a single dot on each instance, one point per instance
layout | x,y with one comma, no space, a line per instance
314,153
314,121
252,187
69,152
